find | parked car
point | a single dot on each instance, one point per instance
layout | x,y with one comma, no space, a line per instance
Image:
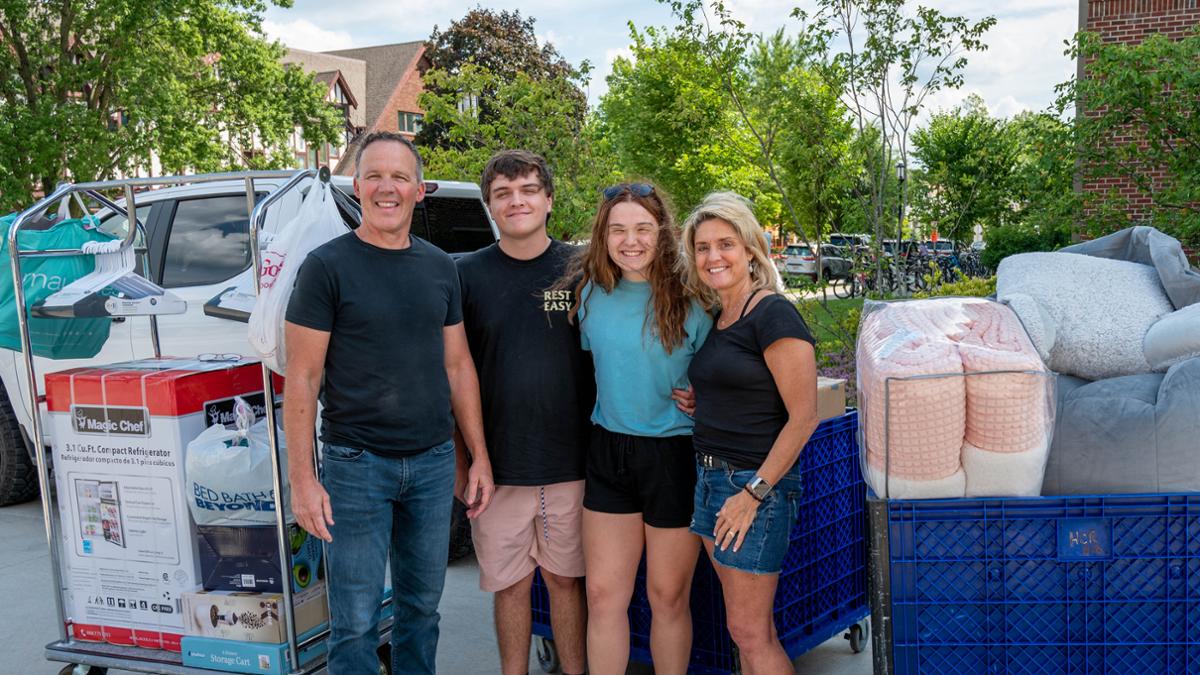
801,261
181,225
850,242
907,248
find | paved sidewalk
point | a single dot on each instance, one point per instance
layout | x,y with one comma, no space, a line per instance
467,646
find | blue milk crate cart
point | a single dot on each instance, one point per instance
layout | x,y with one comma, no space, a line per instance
823,585
1089,584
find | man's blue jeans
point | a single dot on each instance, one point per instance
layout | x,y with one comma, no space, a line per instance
380,503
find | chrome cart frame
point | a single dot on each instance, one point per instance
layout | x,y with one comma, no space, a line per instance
102,655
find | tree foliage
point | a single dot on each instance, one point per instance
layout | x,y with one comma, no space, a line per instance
1139,118
89,88
501,43
538,115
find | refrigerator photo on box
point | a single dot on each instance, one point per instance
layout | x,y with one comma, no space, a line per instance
110,513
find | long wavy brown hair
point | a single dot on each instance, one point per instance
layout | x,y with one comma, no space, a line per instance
669,301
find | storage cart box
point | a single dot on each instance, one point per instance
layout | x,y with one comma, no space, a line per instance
128,545
1093,584
823,585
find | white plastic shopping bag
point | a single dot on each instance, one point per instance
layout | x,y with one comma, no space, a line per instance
229,476
317,222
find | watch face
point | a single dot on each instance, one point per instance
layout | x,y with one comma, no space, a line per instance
760,487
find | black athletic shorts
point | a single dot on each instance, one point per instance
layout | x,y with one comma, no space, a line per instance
655,477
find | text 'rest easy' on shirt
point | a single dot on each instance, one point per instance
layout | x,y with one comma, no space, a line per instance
634,372
535,381
385,387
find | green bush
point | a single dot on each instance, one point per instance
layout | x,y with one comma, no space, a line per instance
969,287
1007,240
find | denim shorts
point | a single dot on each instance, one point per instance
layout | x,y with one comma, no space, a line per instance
766,543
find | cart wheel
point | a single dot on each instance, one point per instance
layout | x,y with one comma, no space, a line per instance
547,655
385,658
858,635
73,669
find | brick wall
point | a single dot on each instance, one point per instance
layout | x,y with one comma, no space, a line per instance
1130,22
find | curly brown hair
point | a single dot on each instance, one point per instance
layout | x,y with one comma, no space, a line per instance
669,301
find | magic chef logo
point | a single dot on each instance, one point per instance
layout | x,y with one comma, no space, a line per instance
223,411
108,420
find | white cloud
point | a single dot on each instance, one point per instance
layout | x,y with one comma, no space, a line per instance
611,56
303,34
552,38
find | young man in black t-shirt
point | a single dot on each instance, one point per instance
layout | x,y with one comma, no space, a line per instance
374,325
537,389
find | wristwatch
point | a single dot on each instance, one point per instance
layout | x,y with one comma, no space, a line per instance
758,487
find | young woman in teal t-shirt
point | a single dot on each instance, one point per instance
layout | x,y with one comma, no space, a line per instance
642,330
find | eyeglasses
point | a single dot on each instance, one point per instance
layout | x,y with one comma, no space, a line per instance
635,189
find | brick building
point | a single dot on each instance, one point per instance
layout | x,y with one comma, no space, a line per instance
1130,22
377,87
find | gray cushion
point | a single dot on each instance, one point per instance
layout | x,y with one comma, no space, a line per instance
1148,246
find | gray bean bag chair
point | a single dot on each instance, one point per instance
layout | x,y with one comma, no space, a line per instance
1127,317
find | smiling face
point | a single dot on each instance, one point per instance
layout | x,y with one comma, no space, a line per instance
387,186
632,239
722,260
519,205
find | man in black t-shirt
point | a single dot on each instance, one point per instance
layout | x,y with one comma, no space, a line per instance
374,325
538,390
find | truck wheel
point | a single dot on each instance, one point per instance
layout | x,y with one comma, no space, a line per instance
18,475
460,533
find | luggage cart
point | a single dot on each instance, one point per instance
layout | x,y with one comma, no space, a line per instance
93,658
823,585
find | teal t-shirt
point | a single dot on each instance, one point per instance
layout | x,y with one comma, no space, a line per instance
634,373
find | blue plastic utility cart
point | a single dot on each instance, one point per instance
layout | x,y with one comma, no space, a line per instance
1088,584
823,586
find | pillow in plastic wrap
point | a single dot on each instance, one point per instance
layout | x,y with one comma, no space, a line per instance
1100,309
958,434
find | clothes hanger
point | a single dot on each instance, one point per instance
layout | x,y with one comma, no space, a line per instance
112,289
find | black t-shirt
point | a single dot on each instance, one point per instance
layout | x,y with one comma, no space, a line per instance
536,382
739,412
385,387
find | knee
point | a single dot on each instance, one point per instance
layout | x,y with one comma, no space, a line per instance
751,635
560,584
670,599
607,598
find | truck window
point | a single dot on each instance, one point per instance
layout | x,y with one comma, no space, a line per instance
456,224
208,242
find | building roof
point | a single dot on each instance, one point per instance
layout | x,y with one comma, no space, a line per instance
353,72
332,77
386,66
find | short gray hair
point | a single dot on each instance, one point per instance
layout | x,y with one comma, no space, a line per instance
378,136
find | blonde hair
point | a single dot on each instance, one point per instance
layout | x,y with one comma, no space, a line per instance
734,209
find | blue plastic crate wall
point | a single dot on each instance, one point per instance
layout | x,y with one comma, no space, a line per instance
823,584
1046,585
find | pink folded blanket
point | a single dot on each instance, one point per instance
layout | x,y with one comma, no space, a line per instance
982,428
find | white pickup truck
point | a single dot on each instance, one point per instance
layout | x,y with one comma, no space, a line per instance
198,245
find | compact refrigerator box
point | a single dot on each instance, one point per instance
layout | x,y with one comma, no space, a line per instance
128,544
246,558
252,617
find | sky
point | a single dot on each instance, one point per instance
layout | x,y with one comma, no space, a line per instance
1018,72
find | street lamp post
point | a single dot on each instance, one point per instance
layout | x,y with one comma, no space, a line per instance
900,176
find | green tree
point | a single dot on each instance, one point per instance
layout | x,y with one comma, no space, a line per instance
968,159
501,43
1139,118
90,88
534,114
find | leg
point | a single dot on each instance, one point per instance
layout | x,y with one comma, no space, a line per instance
513,626
749,603
420,543
612,547
670,561
360,487
568,618
559,552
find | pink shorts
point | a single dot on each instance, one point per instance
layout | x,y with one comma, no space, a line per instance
526,527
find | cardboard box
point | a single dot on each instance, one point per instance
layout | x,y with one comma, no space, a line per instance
252,617
243,657
831,397
128,545
247,558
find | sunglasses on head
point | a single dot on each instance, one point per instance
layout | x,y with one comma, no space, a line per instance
635,189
